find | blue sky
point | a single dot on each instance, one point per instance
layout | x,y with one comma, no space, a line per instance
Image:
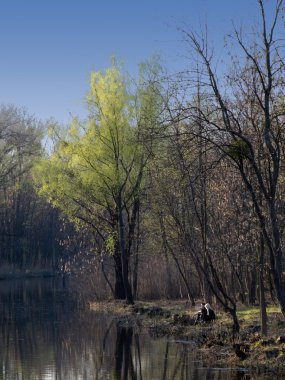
49,47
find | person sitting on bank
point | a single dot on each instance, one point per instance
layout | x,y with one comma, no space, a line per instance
210,313
202,314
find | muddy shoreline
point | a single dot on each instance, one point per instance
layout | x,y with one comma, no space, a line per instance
213,342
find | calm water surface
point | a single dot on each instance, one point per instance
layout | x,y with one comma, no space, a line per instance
45,334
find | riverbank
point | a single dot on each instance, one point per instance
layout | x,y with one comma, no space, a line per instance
213,341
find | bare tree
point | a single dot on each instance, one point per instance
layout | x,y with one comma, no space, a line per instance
246,123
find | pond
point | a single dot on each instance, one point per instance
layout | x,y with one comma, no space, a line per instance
46,334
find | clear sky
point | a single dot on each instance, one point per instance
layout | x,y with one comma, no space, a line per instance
49,47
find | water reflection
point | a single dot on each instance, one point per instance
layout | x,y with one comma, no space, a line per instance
46,335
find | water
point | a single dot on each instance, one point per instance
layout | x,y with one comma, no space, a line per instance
46,335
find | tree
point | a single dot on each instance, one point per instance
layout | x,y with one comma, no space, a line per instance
246,124
20,143
29,227
96,173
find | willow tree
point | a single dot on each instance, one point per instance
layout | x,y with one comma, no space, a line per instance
96,173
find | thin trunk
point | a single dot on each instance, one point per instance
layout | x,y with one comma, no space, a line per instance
124,258
203,200
262,301
136,261
170,250
107,279
119,291
263,313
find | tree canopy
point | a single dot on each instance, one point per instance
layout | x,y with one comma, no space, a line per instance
95,174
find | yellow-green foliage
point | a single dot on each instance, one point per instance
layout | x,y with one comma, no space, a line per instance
111,242
238,149
96,160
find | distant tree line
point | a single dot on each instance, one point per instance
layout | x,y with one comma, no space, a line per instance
31,231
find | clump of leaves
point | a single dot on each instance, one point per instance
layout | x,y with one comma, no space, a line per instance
238,150
111,242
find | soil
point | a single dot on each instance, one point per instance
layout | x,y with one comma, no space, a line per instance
214,341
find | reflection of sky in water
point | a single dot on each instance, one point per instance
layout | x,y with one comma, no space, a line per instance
45,336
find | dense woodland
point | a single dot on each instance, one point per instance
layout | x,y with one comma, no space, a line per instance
172,187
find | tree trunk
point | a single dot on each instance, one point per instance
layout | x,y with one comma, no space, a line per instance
263,314
233,313
262,301
124,258
119,291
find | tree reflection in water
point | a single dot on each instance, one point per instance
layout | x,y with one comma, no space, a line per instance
45,335
124,366
176,363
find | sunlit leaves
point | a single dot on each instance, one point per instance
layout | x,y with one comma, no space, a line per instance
95,161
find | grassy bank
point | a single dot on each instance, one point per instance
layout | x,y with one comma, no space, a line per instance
214,341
